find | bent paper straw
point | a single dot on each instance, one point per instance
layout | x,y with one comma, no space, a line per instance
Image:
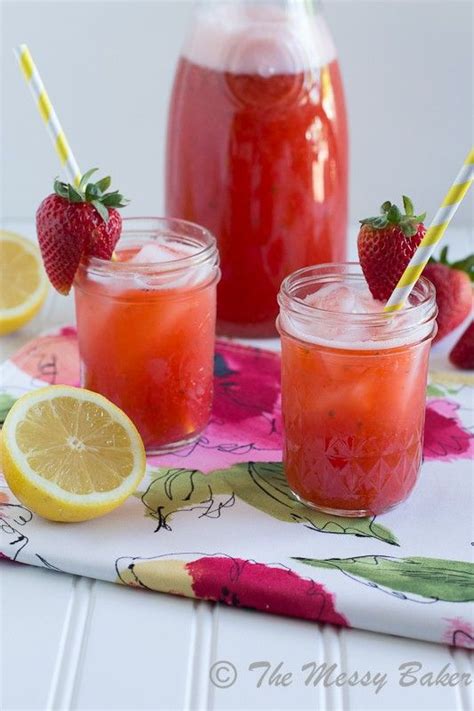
433,235
48,114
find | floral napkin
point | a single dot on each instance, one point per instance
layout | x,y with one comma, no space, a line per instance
217,521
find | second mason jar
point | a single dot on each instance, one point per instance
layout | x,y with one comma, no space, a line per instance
257,149
146,328
353,390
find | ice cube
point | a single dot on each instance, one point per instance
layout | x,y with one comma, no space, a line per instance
156,253
364,302
333,297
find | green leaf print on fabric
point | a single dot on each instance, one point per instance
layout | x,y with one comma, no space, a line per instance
176,490
435,391
6,403
434,578
260,484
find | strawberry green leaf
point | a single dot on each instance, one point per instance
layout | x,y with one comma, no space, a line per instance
408,206
465,265
61,189
391,214
101,209
443,256
394,215
74,195
92,193
408,228
86,176
104,184
114,199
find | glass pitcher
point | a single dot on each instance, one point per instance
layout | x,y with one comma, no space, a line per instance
257,149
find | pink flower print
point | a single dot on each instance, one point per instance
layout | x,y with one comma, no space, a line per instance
244,583
445,437
459,633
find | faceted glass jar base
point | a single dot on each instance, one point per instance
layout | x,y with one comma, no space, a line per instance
347,513
152,450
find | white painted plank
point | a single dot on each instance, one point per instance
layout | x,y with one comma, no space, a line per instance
34,608
463,661
245,637
384,654
72,644
203,633
85,645
134,652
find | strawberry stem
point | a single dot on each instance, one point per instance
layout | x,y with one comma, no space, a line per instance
95,193
390,214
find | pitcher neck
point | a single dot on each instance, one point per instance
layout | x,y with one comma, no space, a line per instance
258,9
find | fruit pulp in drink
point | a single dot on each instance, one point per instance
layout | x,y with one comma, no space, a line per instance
150,351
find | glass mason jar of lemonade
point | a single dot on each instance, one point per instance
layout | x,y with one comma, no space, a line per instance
353,389
257,149
146,325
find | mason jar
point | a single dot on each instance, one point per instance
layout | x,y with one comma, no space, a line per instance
353,390
146,328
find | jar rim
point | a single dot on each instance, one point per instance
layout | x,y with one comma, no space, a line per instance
326,272
152,227
300,319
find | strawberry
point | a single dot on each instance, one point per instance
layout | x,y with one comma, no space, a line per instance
386,244
462,354
76,223
453,290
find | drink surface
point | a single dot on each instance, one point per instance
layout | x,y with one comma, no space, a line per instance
353,411
257,153
149,348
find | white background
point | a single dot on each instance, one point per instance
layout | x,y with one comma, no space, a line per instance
109,64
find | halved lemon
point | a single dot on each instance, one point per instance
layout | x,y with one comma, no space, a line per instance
23,281
70,454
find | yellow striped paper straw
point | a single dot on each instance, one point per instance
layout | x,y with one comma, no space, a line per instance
48,114
433,235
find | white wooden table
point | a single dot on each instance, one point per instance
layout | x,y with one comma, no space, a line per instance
69,642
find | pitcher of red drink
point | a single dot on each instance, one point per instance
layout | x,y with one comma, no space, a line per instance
257,149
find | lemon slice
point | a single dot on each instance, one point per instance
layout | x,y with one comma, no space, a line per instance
70,454
23,282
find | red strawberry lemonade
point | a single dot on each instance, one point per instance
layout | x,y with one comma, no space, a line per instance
146,323
353,390
257,151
